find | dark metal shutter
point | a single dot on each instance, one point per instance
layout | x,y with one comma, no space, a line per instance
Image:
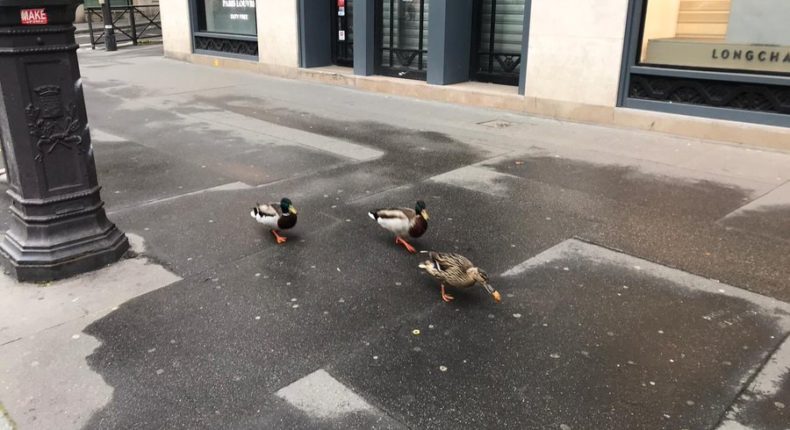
500,27
404,38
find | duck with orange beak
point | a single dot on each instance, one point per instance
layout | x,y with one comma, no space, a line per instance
457,271
276,216
402,222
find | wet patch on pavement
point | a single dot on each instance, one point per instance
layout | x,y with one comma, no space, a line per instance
131,174
44,379
771,222
223,153
409,154
672,222
212,350
673,196
330,404
283,135
585,337
190,240
478,178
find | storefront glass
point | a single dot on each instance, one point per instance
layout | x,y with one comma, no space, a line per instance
729,35
227,17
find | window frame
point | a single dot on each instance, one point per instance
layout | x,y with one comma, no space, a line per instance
635,18
197,32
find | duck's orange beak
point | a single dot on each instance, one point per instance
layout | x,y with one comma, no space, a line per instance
494,293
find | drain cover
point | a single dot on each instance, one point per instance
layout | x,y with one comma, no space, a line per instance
496,123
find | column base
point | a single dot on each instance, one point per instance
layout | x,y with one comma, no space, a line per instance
49,264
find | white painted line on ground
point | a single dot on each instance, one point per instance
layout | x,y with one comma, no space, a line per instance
478,178
779,196
334,146
103,136
767,384
5,420
769,379
654,164
774,374
321,396
732,425
578,250
232,186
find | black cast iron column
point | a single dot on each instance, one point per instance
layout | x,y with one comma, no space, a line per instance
58,226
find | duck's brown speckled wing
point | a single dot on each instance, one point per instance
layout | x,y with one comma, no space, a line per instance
451,268
447,261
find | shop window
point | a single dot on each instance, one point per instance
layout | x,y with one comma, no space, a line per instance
227,16
225,27
742,35
726,59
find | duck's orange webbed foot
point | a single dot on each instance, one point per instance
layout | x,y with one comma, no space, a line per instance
399,240
280,239
446,297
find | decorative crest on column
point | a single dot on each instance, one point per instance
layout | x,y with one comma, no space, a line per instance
52,123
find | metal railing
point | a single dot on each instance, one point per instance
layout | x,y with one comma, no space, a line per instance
130,23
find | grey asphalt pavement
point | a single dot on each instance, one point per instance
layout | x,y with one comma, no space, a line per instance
645,277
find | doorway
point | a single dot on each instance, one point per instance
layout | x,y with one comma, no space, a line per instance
342,32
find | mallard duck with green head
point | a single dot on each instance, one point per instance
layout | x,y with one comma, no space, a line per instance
457,271
402,222
276,216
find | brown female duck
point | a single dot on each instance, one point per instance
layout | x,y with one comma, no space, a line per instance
457,271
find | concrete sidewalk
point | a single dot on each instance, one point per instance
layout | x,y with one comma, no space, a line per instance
645,277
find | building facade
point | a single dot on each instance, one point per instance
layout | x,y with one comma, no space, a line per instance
717,69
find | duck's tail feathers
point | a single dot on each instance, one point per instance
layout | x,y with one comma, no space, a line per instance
373,215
